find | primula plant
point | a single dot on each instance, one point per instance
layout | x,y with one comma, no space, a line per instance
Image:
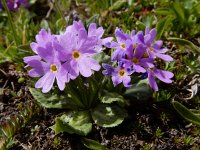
127,72
73,60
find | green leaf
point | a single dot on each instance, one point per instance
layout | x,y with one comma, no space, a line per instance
140,25
53,100
44,24
186,113
108,116
186,43
179,10
148,20
92,19
110,97
140,90
196,112
163,11
92,144
118,5
25,47
77,122
162,26
101,57
59,24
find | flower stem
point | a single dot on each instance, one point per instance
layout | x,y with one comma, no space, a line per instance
11,22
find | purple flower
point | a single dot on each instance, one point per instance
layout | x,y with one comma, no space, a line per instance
135,58
121,74
123,42
14,4
76,48
46,64
153,49
162,75
42,39
98,33
137,53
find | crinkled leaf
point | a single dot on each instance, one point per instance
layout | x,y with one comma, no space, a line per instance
92,144
110,97
77,122
108,115
140,90
186,113
186,43
101,57
53,100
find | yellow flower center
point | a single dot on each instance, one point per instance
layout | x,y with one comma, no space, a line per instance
135,60
135,45
145,55
53,68
151,49
76,54
152,69
122,45
122,72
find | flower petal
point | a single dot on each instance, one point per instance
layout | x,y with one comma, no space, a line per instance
34,47
138,68
127,81
40,83
46,53
49,83
153,34
120,35
116,80
30,58
72,68
106,40
60,81
93,64
109,69
157,44
152,81
164,57
139,51
163,75
35,73
84,68
91,29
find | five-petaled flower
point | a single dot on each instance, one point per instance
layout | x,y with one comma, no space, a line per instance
120,74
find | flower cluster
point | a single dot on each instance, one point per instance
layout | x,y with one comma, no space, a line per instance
136,53
14,4
63,57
